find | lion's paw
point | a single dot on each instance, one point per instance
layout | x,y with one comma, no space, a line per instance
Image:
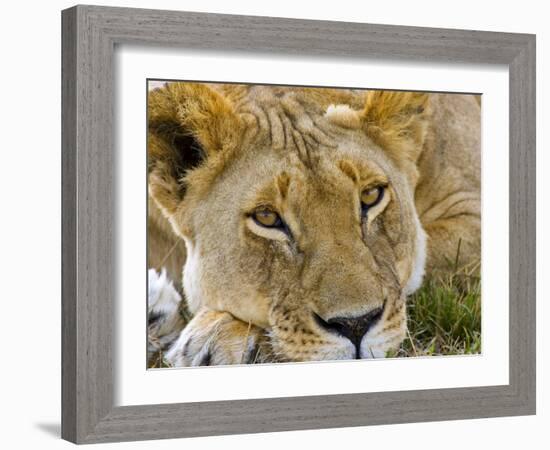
217,338
162,297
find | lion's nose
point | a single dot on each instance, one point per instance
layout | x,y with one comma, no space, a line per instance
353,328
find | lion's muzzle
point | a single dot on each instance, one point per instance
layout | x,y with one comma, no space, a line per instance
352,328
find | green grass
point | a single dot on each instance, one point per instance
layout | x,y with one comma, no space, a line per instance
444,316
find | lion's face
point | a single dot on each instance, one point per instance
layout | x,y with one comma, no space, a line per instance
304,225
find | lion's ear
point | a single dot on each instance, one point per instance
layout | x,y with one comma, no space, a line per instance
188,123
397,121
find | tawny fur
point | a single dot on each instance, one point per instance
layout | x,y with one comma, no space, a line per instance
307,153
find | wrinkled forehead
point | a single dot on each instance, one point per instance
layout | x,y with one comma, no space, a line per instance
290,117
294,121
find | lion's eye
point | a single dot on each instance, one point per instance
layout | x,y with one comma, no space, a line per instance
371,197
267,218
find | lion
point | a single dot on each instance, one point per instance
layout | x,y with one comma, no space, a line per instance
298,220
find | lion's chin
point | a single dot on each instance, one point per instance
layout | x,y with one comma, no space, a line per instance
342,351
286,353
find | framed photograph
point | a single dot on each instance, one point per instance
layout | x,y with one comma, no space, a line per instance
279,224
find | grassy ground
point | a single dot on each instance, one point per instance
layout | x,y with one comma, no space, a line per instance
445,316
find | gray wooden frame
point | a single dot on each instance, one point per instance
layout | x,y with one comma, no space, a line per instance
90,34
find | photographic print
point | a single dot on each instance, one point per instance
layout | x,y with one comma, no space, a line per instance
293,224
